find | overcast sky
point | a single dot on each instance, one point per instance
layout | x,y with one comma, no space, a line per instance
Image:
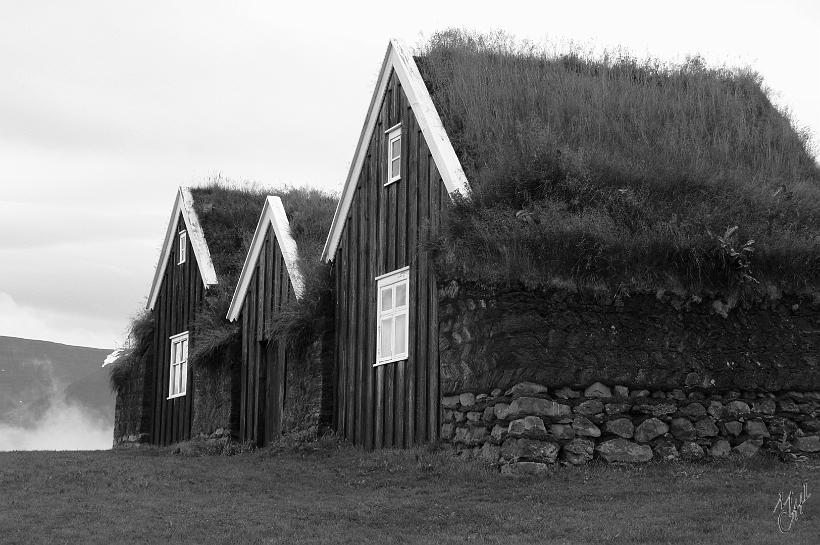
106,107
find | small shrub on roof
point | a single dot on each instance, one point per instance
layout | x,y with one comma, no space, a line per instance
610,170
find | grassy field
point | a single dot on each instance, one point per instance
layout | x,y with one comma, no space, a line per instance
343,495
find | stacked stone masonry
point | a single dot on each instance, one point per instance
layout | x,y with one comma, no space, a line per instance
529,426
495,338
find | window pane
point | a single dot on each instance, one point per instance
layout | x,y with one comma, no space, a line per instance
183,377
185,350
395,168
401,294
386,333
400,325
387,299
173,388
395,148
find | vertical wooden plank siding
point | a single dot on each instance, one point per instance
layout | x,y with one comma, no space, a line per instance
412,246
180,294
369,297
263,363
395,404
352,387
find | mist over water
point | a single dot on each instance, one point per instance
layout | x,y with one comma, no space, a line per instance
63,425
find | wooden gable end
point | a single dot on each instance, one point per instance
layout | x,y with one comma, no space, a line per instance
180,293
263,364
394,404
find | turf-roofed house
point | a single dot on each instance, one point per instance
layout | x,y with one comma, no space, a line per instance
230,346
176,378
284,382
540,257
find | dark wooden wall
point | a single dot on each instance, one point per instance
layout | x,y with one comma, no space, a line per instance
180,295
396,404
263,363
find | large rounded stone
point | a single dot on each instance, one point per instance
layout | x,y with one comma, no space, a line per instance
489,415
682,429
529,450
716,410
735,409
693,410
534,406
529,426
622,427
526,389
562,431
666,451
589,408
584,427
621,450
749,447
449,402
649,429
578,451
501,410
598,390
467,399
691,451
756,428
499,433
721,449
734,427
706,427
810,443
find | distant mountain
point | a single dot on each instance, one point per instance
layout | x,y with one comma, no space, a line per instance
35,375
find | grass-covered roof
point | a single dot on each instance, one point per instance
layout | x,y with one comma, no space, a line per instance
228,213
613,171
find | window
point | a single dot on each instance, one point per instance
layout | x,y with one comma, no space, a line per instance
393,154
179,366
183,247
392,326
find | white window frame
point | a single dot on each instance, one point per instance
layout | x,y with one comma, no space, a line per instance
393,134
392,280
178,368
183,247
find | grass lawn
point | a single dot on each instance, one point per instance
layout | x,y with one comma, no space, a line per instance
344,495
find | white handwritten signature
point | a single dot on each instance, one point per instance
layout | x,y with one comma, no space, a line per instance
789,510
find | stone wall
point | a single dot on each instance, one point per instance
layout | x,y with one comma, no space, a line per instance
132,408
529,426
309,389
495,339
215,391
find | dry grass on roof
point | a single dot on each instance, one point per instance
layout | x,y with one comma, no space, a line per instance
229,213
608,170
